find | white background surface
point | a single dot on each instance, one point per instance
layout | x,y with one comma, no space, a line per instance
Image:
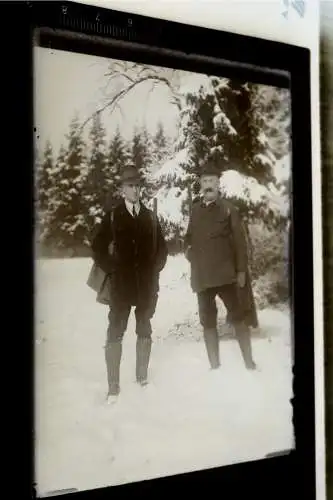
264,19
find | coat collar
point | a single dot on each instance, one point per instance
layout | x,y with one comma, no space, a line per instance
129,206
124,209
210,203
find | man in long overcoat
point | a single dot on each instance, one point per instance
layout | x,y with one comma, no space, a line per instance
130,248
215,245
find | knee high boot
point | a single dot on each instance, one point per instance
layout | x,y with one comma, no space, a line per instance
143,351
212,347
244,341
113,352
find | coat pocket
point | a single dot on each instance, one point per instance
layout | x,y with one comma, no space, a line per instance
220,228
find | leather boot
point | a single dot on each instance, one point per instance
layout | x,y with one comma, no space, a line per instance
244,341
212,347
113,352
143,350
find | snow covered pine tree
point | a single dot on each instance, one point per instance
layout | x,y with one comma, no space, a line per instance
95,187
226,121
66,218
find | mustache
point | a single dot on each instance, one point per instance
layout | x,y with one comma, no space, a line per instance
209,190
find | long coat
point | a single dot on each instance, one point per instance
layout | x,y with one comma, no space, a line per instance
216,247
139,254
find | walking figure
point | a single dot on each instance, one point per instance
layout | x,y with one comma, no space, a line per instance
215,245
130,248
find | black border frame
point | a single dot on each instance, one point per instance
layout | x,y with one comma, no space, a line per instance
294,473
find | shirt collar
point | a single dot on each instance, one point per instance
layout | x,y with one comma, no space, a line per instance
208,203
130,206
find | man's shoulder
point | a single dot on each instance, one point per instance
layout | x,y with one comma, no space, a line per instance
196,203
227,205
111,211
106,217
117,208
147,210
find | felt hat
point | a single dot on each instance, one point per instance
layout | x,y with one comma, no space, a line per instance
209,168
130,175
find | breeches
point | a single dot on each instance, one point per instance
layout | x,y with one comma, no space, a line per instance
119,313
207,305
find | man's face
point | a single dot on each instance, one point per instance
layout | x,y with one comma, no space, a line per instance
131,192
210,187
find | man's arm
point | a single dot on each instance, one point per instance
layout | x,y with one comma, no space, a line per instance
100,245
239,240
161,248
188,239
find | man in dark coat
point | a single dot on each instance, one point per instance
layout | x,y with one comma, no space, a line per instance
130,247
215,245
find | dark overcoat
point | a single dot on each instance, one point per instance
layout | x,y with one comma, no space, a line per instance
139,255
216,245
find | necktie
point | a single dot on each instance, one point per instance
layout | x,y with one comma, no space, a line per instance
134,212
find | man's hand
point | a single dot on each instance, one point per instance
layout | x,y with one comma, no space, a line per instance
241,279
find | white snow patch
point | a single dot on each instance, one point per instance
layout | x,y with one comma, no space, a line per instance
218,148
264,159
173,168
262,139
234,184
221,120
170,202
282,168
209,418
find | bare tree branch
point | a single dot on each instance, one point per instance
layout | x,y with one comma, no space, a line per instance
114,101
111,76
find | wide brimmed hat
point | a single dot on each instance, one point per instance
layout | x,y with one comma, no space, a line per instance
130,175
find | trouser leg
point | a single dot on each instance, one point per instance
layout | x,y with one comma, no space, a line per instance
208,320
144,313
113,352
230,297
244,340
118,318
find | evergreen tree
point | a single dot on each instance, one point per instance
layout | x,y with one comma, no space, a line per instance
160,145
119,156
50,224
229,131
143,160
44,177
140,150
95,185
66,226
221,122
274,105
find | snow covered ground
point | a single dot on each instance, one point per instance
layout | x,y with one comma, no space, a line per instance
189,418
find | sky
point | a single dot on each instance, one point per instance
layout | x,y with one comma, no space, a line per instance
66,83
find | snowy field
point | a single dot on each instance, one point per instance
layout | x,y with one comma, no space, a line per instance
188,418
